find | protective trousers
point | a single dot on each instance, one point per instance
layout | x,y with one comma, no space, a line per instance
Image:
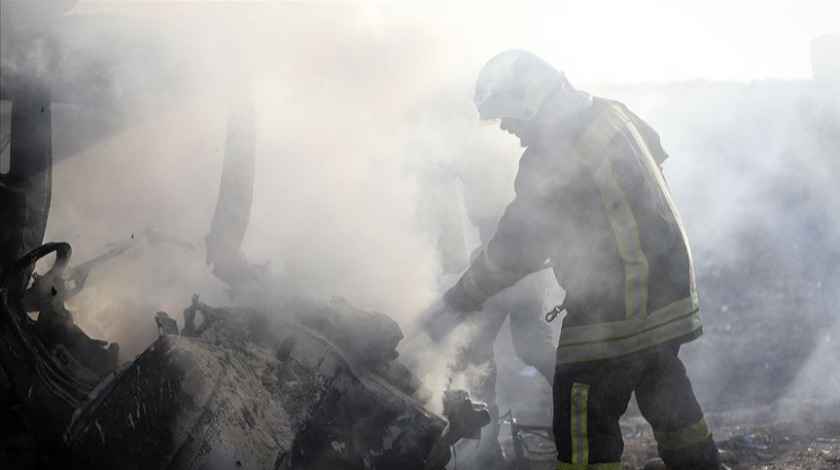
590,397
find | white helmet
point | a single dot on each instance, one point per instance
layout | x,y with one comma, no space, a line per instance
513,84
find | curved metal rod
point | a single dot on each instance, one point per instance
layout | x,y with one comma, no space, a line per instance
48,394
62,250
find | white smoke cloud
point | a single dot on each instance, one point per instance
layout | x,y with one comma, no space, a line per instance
357,106
332,86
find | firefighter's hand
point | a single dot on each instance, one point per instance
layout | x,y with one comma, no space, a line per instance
439,320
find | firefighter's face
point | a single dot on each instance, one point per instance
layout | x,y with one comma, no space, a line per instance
520,128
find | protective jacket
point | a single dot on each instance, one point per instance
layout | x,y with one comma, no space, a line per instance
591,199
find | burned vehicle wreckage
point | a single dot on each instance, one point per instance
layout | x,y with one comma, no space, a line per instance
291,384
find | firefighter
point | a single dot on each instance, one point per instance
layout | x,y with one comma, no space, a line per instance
591,200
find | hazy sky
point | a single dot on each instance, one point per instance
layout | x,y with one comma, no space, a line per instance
594,41
656,41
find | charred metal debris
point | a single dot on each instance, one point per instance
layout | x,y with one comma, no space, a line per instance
306,385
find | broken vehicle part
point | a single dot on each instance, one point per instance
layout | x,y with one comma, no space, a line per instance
250,389
238,394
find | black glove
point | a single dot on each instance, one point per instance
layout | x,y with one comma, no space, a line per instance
440,319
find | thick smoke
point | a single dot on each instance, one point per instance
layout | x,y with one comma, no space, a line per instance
333,211
369,155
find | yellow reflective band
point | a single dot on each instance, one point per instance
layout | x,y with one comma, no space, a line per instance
598,332
485,270
652,167
686,437
685,326
471,288
590,151
591,466
494,271
580,435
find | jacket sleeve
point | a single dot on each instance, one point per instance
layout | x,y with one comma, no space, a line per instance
518,248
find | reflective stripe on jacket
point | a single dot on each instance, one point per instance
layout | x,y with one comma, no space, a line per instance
591,198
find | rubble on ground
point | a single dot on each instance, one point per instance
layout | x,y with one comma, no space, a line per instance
790,434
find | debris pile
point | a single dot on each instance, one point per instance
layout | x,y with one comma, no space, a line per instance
297,384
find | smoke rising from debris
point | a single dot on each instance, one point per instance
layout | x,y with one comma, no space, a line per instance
365,133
